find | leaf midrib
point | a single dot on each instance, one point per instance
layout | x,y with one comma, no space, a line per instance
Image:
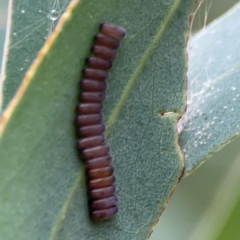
140,66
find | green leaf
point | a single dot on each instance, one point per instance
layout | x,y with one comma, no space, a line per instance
43,192
230,228
218,217
203,200
212,117
32,22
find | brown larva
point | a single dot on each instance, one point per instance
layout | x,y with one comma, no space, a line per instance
102,199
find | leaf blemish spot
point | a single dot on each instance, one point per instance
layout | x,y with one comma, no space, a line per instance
166,114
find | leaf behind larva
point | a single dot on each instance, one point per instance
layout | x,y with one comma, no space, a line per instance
42,181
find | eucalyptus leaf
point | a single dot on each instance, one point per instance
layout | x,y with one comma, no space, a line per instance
212,117
42,181
31,24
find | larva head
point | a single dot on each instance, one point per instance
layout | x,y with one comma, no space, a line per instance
112,30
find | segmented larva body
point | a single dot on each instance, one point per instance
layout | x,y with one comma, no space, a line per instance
102,199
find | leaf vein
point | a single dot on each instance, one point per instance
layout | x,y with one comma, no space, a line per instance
140,66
